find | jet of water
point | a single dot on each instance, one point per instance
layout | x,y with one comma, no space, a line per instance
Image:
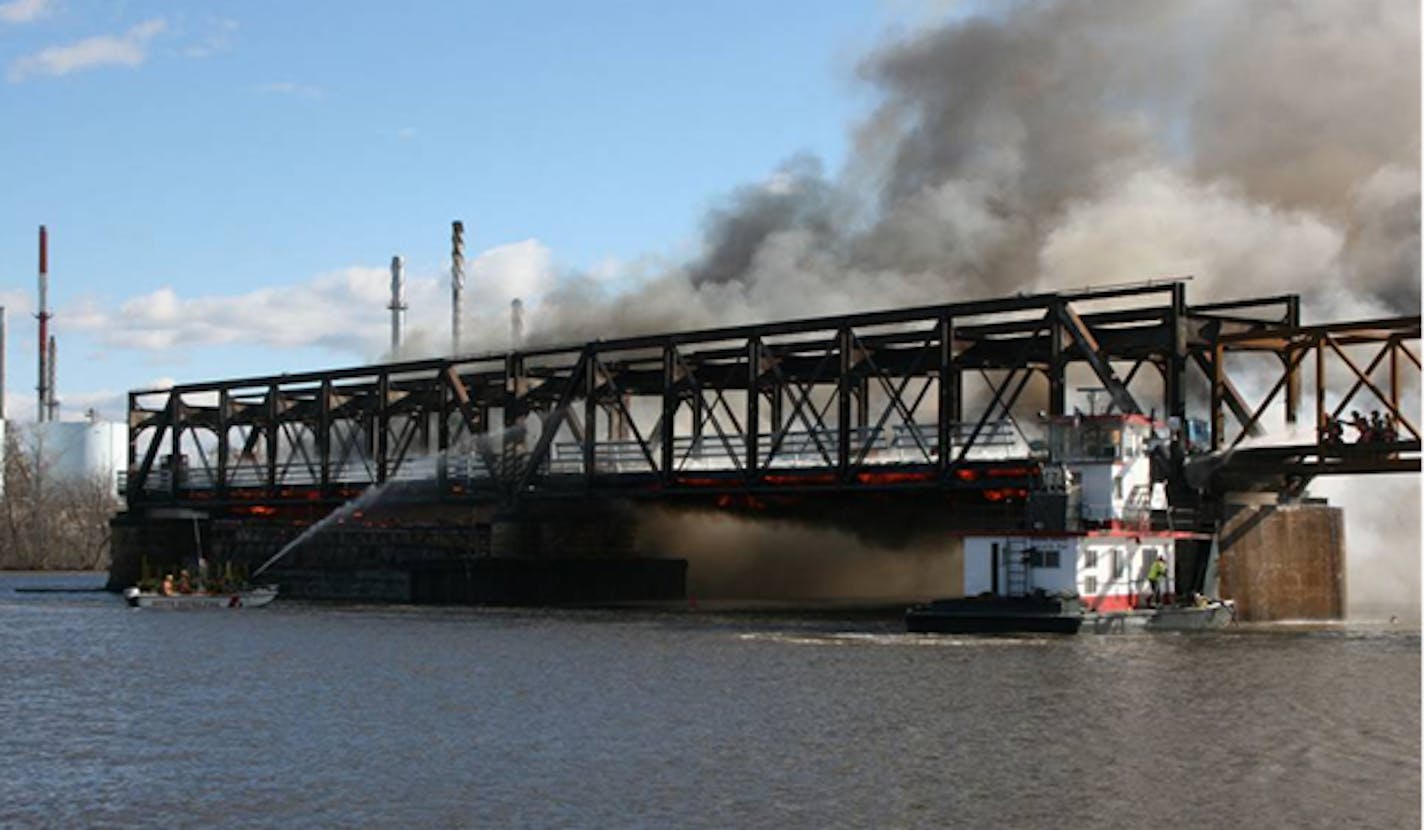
367,498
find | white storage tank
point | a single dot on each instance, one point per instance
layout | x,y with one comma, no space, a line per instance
78,449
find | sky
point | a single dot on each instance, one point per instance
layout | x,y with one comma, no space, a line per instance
253,166
225,183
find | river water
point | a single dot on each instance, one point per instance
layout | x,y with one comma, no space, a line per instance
320,715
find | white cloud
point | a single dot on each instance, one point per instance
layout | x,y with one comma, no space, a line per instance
23,11
129,49
342,311
218,39
405,133
290,88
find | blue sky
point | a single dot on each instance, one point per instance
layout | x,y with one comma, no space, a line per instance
242,164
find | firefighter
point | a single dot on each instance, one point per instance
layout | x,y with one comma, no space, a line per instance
1157,579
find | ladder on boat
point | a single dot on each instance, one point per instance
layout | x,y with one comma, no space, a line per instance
1016,570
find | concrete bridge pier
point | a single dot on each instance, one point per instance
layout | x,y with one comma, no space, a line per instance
1284,561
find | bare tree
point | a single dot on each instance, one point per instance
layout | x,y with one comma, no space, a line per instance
50,521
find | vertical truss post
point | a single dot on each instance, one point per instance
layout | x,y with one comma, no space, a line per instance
133,433
224,445
323,434
698,414
383,425
133,447
270,435
1319,389
1292,366
590,415
1174,385
1057,382
845,386
776,402
175,465
949,398
442,432
1218,380
668,424
1393,346
753,404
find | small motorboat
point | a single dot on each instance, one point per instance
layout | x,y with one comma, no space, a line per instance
1203,615
254,597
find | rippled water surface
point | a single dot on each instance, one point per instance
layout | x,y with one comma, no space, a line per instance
319,716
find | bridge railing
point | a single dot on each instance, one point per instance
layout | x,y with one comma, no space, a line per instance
895,445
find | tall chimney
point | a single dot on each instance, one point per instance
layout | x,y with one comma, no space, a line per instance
457,281
516,323
43,384
397,303
51,404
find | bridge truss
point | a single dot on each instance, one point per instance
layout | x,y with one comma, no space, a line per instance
950,397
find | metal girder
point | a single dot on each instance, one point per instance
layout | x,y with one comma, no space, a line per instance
1096,358
833,401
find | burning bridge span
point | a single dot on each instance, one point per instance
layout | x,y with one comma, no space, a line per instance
519,476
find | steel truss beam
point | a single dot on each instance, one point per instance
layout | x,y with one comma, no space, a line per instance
870,400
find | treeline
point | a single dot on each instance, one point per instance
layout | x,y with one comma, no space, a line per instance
51,521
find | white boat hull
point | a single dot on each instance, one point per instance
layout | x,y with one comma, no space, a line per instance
251,598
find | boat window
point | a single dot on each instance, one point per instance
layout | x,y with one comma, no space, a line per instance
1120,562
1090,557
1041,558
1090,584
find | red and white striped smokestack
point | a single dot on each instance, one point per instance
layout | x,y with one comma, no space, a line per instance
43,385
52,405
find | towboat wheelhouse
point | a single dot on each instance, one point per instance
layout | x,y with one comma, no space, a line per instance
1097,541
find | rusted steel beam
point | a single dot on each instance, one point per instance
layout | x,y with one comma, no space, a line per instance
1096,359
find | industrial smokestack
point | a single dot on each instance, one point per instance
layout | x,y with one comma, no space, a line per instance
516,323
397,305
457,281
42,386
51,405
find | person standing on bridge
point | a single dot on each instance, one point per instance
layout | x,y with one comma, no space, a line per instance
1361,425
1157,580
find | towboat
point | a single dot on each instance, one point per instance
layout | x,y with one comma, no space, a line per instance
1088,555
254,597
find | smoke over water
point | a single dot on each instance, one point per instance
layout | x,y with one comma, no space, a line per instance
734,557
1264,149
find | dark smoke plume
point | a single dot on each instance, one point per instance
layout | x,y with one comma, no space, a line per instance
1263,148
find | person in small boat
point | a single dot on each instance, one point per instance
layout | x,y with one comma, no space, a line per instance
1157,579
167,587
